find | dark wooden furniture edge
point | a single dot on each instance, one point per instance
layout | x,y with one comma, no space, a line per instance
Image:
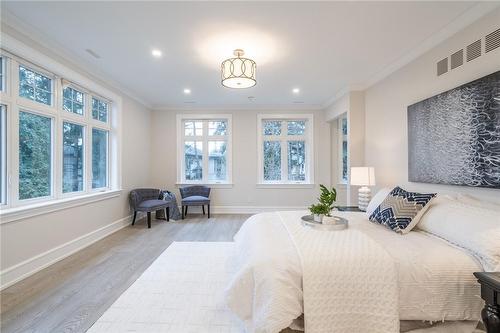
490,293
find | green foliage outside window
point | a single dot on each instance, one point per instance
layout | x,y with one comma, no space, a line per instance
34,156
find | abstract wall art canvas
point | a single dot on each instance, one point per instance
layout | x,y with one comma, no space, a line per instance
454,137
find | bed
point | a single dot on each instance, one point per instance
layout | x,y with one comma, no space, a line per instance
433,280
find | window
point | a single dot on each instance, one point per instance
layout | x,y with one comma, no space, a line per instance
52,149
35,156
285,149
3,154
343,158
73,100
99,110
99,158
73,157
2,73
204,145
35,86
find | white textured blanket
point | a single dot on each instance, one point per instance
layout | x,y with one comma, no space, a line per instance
349,281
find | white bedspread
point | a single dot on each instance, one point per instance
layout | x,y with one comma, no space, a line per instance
435,279
349,282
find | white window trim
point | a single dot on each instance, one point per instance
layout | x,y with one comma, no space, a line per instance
16,52
180,151
309,138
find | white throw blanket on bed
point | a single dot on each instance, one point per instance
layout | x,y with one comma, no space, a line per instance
349,281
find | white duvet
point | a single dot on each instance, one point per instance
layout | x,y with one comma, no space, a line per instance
435,279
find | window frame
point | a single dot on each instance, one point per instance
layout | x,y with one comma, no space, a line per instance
37,70
85,156
4,151
85,99
308,137
4,66
53,188
20,54
205,138
108,111
90,175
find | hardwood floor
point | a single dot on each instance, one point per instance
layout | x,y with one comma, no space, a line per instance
72,294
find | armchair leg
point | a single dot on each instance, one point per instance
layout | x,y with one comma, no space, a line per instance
182,212
149,220
185,214
135,215
203,208
167,212
208,208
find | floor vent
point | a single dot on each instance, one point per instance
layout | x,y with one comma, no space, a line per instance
474,50
457,59
442,66
492,40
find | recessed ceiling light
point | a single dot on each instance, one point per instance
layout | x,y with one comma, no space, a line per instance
187,91
295,90
156,53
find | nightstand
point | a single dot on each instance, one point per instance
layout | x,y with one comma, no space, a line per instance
490,293
349,209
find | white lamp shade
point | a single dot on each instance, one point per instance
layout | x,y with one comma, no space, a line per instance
363,176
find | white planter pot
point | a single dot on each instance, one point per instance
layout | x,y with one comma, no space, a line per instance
318,218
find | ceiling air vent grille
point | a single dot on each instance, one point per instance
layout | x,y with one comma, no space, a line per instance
442,66
474,50
492,40
457,59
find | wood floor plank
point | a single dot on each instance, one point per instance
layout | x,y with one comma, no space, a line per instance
72,294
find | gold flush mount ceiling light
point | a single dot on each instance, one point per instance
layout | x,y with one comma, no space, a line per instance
238,72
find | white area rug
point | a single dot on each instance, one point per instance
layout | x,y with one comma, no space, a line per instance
180,292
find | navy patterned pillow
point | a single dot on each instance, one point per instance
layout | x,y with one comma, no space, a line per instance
401,210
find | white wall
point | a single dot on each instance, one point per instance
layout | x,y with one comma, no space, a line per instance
32,243
386,106
244,195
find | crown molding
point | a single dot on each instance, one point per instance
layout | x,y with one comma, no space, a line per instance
236,107
462,21
47,44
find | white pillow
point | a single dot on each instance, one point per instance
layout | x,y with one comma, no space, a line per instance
377,200
475,229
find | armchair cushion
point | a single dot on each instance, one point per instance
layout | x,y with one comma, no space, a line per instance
152,204
195,199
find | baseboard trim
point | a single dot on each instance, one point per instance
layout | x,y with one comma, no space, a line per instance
18,272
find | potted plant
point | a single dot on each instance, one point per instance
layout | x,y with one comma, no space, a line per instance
325,205
327,198
318,211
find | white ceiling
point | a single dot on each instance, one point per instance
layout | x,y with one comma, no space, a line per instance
322,48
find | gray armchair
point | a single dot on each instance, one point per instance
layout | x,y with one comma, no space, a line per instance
195,196
148,200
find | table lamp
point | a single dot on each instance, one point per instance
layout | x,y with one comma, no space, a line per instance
364,177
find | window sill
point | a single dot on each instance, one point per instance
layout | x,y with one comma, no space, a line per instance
18,213
285,185
211,185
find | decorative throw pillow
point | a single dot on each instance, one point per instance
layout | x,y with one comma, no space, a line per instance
401,210
377,200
